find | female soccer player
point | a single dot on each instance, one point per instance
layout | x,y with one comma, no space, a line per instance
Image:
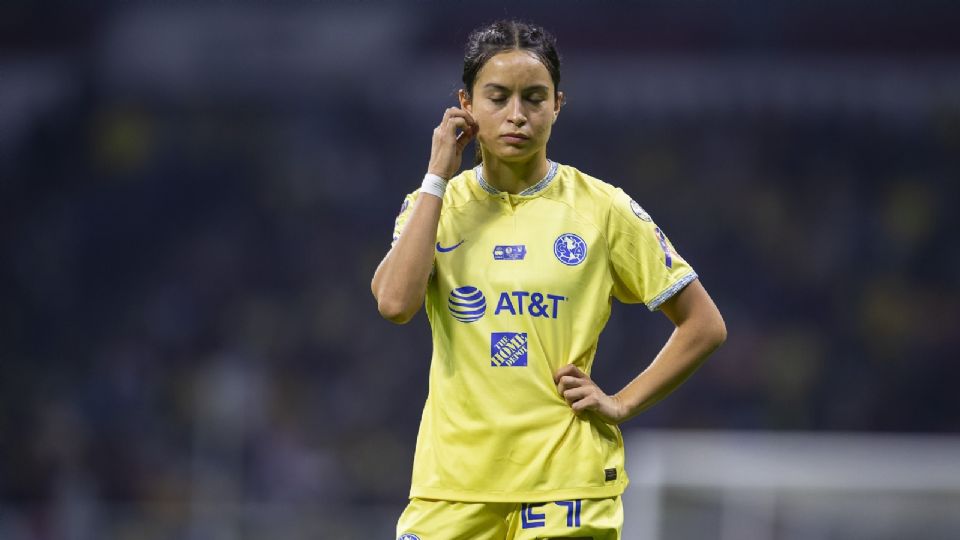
517,260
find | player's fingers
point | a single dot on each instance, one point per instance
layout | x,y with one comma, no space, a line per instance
578,373
454,112
470,127
454,124
446,118
568,381
457,111
571,370
465,136
568,369
587,403
470,119
574,395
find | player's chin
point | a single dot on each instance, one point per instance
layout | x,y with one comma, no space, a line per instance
510,153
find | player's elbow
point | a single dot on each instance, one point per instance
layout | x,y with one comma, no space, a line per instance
395,311
394,303
709,331
716,331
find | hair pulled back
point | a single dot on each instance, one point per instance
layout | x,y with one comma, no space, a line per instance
505,35
486,42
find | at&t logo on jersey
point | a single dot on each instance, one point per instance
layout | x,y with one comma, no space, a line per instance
570,249
536,304
508,349
408,536
467,304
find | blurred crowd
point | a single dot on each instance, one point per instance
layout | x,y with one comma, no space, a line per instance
187,331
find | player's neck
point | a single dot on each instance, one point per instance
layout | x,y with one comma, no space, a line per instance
514,177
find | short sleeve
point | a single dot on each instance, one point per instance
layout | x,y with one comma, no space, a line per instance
405,209
645,266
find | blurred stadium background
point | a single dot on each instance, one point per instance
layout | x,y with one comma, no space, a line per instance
194,196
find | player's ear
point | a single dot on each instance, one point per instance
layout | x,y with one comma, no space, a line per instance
561,99
465,101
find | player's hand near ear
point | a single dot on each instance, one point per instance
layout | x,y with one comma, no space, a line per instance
455,131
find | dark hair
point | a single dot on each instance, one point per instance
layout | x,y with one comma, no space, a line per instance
486,42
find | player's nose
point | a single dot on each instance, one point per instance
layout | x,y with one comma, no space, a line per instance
517,117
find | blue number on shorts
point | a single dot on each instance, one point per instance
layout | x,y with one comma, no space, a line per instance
529,519
573,512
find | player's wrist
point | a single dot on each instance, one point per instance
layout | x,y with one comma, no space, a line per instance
624,411
434,184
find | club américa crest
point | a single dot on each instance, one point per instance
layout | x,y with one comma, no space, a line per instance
570,249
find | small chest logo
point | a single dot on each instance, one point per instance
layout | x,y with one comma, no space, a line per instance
508,349
509,253
467,304
570,249
408,536
447,249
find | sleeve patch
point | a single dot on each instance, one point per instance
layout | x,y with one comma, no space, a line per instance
639,211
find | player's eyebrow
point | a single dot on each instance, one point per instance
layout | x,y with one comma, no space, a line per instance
532,88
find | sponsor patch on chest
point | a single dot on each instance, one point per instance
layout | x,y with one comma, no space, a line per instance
508,349
509,253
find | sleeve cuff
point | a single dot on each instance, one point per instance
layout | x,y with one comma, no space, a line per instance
668,293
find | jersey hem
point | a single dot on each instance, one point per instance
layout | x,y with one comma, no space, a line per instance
599,492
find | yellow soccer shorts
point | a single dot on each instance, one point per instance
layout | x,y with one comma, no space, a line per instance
585,519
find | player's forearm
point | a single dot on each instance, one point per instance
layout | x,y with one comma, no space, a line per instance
686,350
400,281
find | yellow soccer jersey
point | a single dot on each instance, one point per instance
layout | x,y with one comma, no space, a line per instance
522,285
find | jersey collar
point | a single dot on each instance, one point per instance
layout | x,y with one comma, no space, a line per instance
532,190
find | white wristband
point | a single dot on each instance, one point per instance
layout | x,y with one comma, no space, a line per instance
433,185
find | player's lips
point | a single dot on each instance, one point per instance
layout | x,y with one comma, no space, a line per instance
514,137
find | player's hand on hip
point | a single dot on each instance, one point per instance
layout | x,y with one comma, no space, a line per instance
456,130
579,390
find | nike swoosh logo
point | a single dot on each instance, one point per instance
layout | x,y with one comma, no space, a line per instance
442,249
